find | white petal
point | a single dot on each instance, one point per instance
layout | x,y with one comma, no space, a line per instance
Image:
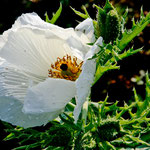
49,96
95,48
11,111
77,41
77,47
2,41
33,50
87,27
12,81
18,37
31,20
86,79
34,20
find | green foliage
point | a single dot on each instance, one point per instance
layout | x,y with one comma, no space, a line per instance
108,126
107,58
108,23
58,136
137,27
101,125
84,15
108,129
130,131
115,36
55,15
112,27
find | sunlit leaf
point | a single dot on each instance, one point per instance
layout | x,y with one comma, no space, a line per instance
55,15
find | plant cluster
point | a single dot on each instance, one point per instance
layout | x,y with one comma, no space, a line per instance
101,125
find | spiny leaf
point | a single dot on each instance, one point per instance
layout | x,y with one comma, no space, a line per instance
28,147
127,36
147,88
123,55
125,15
68,122
102,69
9,137
85,10
137,102
108,6
137,140
102,110
82,15
110,146
55,15
126,108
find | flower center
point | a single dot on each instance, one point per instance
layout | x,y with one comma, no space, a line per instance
65,68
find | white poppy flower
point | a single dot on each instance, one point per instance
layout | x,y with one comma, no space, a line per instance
40,69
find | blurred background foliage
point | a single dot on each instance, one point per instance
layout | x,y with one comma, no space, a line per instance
118,84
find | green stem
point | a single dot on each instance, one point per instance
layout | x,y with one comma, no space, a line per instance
70,106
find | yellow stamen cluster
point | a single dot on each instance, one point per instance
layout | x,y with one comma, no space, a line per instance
65,68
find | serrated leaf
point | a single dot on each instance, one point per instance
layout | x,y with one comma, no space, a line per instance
108,6
9,137
55,15
137,140
69,123
27,147
136,29
147,87
102,110
142,13
82,15
113,107
102,69
125,14
124,55
137,102
110,146
86,12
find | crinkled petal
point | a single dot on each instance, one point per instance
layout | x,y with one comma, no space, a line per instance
43,102
77,47
87,28
13,82
49,96
34,20
86,78
11,111
77,41
2,41
34,50
29,20
13,87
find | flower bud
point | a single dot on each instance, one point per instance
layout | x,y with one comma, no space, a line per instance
108,129
108,24
100,28
112,28
59,136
